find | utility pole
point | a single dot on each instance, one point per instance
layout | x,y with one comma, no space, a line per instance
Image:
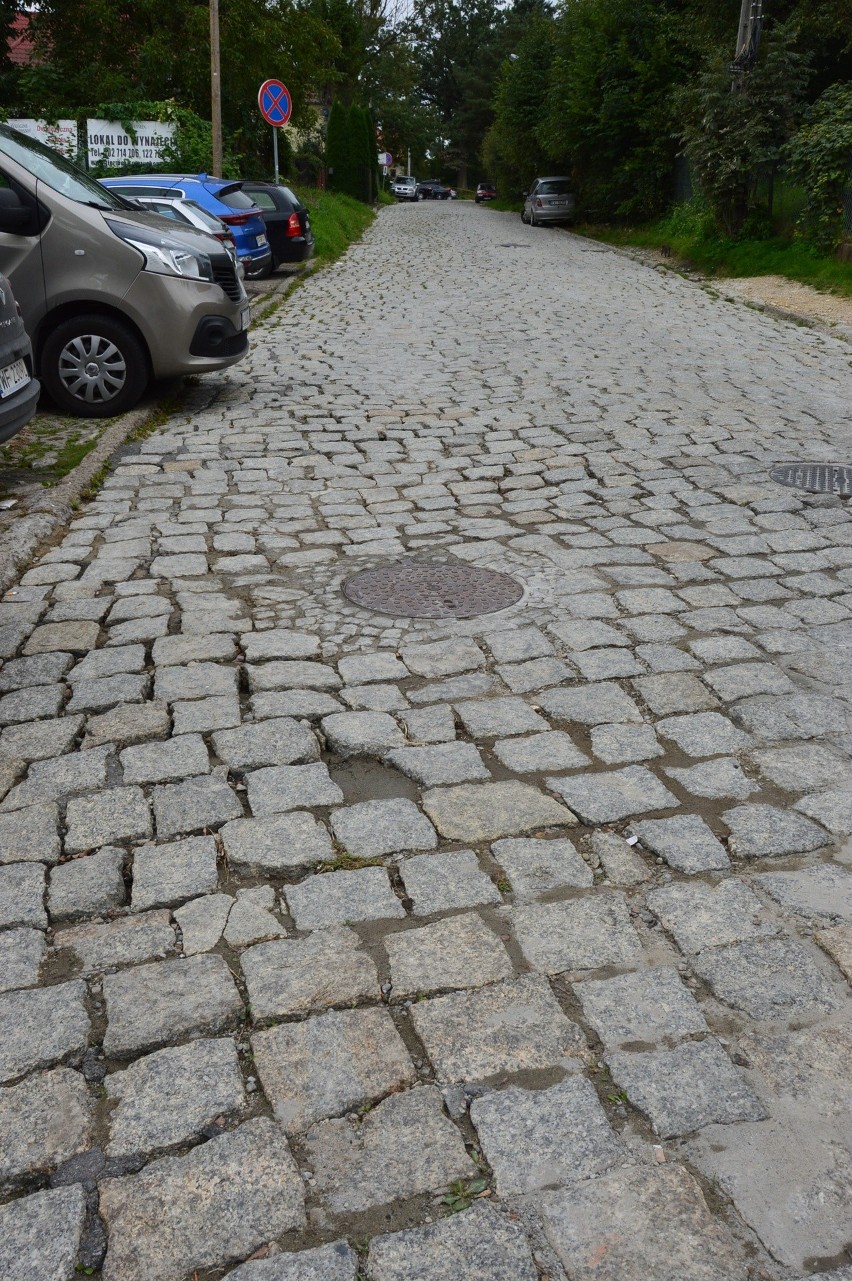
408,170
742,31
215,87
748,40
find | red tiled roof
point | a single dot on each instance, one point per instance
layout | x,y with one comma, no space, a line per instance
19,43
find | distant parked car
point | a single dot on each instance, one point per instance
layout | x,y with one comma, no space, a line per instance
288,223
19,391
548,200
431,189
404,188
187,211
485,191
219,196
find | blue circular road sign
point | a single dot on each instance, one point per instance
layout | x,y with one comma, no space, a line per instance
275,103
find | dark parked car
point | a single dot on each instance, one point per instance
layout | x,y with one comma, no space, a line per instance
485,191
431,189
19,391
288,223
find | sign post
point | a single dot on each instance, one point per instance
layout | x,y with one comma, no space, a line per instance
276,107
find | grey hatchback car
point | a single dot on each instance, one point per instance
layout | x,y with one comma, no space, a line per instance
548,200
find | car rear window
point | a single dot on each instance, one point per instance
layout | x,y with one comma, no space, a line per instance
235,198
210,220
292,197
558,187
263,200
165,211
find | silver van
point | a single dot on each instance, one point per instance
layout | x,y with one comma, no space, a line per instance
111,296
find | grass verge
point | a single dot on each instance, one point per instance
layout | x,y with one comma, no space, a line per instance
337,221
715,256
504,204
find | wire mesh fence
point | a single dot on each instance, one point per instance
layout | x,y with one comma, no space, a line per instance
847,210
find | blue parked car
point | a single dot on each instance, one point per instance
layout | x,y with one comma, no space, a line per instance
219,196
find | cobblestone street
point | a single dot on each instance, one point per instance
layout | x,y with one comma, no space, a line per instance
338,945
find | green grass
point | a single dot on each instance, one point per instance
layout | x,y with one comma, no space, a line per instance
504,204
714,256
49,447
336,220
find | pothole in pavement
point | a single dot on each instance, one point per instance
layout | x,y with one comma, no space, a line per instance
418,589
816,478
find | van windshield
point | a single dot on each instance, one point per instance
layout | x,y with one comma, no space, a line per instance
57,172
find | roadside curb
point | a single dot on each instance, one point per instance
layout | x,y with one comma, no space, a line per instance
711,282
784,313
28,535
33,532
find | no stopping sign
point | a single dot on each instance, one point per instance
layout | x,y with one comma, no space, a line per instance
276,105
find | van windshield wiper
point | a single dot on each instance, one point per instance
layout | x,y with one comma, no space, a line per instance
94,204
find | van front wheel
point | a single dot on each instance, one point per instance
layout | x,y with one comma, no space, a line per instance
94,366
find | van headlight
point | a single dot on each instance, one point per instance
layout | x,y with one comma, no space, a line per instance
162,254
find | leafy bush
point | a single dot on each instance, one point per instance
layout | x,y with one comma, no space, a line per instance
191,148
729,137
820,157
693,219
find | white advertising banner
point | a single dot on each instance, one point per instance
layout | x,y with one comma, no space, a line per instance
62,135
109,141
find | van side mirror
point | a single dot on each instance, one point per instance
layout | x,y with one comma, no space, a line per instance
14,215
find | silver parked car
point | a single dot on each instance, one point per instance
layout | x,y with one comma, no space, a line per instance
404,188
187,211
548,200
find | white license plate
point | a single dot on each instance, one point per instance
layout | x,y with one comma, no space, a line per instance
13,377
261,240
245,317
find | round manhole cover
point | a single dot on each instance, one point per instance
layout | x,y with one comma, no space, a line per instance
816,478
414,589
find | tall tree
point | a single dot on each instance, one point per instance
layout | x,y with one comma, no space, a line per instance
459,46
514,151
732,139
337,147
93,51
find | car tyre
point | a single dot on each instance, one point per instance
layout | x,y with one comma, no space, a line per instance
94,366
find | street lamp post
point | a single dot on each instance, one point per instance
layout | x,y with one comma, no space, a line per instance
215,87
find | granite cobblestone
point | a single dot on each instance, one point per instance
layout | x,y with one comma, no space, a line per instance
266,853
